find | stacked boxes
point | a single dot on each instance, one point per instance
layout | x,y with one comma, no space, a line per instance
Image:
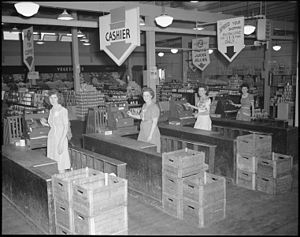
275,176
87,201
86,100
251,148
176,166
62,185
100,206
204,199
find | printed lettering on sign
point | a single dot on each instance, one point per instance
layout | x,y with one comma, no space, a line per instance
28,49
230,33
200,53
120,33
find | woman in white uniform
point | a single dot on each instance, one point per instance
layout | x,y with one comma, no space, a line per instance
203,107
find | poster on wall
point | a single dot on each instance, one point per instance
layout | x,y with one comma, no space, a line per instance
230,34
119,33
200,53
28,49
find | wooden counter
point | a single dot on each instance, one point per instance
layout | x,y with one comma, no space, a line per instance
144,164
26,182
225,153
284,140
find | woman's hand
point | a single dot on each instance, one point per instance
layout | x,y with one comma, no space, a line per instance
129,113
195,115
60,148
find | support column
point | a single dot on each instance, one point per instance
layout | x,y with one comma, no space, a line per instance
267,63
75,56
150,75
297,85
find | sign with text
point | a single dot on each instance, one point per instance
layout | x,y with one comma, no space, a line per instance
28,49
230,33
33,75
120,33
200,53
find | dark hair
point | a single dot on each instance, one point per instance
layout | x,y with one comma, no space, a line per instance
60,97
245,85
206,88
148,89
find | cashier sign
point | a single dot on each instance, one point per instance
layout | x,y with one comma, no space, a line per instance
120,33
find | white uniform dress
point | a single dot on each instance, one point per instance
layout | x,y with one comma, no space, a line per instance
203,121
57,120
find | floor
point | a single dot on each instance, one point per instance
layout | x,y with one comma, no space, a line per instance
248,212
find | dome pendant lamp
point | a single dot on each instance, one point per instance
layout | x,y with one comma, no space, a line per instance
65,16
164,20
27,9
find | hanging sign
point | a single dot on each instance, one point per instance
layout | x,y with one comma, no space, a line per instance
230,34
28,49
200,53
120,33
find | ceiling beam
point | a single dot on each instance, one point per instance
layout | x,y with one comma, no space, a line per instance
145,9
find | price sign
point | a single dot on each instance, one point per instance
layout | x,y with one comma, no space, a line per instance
230,34
200,53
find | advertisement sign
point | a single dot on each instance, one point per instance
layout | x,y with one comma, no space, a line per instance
230,33
200,53
28,49
120,33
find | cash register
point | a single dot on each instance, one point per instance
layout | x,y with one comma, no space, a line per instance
180,113
117,117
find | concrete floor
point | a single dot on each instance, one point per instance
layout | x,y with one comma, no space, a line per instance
248,212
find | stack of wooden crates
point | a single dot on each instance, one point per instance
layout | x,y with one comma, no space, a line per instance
87,201
186,187
258,168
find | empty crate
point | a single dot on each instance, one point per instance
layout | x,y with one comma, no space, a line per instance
172,205
255,144
184,162
246,162
245,179
64,215
274,185
97,194
280,165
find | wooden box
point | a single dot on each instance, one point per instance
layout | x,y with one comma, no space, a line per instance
64,215
184,162
246,162
172,205
255,144
60,230
202,216
280,165
245,179
97,194
109,222
204,189
62,183
274,185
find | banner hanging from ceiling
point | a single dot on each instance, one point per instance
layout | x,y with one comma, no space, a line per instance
230,33
120,33
28,48
200,53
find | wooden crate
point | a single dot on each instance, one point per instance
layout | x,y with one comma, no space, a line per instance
184,162
246,162
92,196
60,230
274,185
62,184
64,215
172,205
109,222
245,179
13,129
255,144
280,165
203,216
204,189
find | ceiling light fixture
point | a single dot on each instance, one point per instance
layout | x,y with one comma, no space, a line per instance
161,54
276,47
142,22
79,34
65,16
84,39
86,43
27,9
210,51
164,19
174,50
198,26
40,40
249,29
